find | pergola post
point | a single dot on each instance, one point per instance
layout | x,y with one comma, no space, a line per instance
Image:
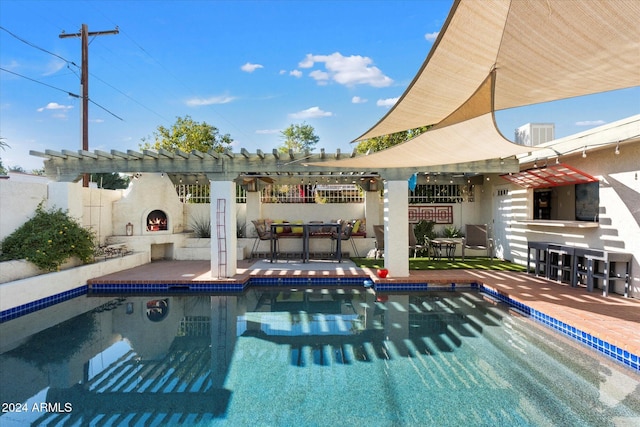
396,235
224,240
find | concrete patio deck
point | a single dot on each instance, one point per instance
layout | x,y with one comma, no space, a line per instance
614,319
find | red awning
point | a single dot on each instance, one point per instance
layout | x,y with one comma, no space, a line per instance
549,176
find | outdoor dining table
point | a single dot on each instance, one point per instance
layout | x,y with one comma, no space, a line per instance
306,235
449,246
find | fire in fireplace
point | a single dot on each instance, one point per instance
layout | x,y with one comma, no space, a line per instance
157,221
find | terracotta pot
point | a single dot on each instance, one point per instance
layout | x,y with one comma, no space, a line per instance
382,273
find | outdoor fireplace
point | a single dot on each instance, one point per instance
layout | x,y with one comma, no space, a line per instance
157,221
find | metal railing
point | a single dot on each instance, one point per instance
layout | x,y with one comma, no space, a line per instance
441,193
199,193
312,193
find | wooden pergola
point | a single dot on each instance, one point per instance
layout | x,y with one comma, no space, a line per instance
196,166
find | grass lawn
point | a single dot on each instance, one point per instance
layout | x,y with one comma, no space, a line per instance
480,263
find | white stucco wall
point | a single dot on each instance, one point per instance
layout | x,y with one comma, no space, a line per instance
98,210
18,202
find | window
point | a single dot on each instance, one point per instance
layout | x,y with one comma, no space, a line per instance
579,202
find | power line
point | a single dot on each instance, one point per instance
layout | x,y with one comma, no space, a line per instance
38,47
73,95
100,106
74,64
39,82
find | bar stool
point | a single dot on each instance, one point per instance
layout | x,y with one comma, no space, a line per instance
540,258
561,263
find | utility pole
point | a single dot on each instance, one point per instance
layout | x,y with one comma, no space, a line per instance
84,82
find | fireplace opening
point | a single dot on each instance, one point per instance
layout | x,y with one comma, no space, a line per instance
157,221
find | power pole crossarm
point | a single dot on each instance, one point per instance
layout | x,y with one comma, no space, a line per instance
84,82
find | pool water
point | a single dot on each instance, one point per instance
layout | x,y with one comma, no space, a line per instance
314,357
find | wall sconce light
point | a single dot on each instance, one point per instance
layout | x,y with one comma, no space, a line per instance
617,149
129,228
584,152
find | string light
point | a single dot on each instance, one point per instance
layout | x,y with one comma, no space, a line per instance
584,152
617,149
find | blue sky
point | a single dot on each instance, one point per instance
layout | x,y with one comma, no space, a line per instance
250,68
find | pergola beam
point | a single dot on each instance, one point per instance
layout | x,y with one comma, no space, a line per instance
68,165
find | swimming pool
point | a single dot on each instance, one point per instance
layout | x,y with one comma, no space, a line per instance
314,357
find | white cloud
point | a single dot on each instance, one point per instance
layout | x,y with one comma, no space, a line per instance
55,106
307,62
250,68
295,73
267,131
346,70
358,100
431,37
389,102
321,77
53,67
590,123
198,102
310,113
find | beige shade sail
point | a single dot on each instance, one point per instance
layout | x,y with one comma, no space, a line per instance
542,50
450,142
497,54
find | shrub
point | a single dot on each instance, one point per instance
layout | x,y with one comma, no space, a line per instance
451,231
201,226
48,240
424,229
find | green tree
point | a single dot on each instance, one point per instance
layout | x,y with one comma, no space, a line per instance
187,135
382,142
299,138
110,181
